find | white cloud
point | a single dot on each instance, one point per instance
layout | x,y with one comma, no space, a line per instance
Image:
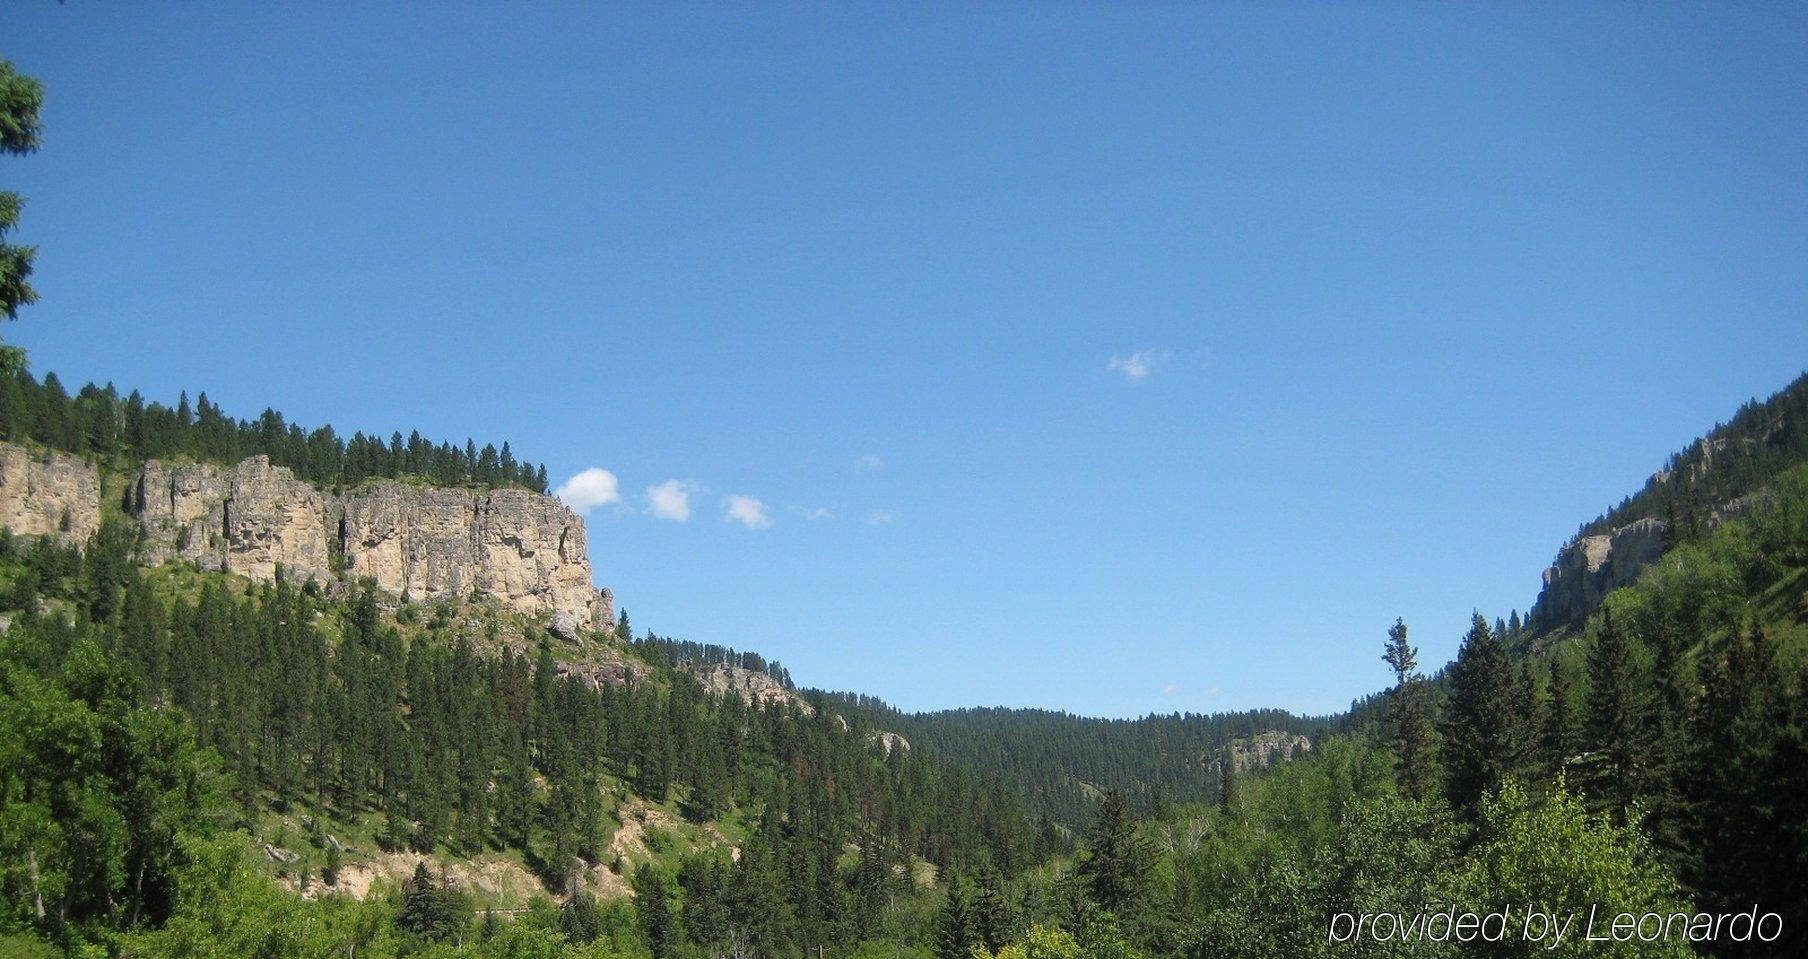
671,499
1171,688
592,488
1137,366
813,512
870,461
747,511
880,517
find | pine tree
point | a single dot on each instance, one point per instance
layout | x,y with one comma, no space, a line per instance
957,923
429,910
1615,710
1478,725
1117,865
655,911
579,918
992,909
1409,723
1557,740
21,98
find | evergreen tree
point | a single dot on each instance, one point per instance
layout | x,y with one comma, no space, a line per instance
1478,725
1614,713
655,911
1558,737
1117,865
1409,722
21,98
957,922
429,909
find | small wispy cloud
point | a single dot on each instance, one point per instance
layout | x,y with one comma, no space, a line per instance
813,512
671,499
880,517
1137,366
746,510
1171,688
870,462
589,489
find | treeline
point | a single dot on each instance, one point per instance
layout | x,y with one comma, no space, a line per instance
1761,441
1062,763
98,421
319,707
674,652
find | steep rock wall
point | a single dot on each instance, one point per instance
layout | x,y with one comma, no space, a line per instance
527,550
48,494
1590,567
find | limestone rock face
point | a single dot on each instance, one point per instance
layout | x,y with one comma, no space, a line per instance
48,494
752,686
527,550
247,519
1590,567
1266,749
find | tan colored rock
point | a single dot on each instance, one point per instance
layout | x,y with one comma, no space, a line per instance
48,494
248,519
752,686
1266,749
1590,567
524,549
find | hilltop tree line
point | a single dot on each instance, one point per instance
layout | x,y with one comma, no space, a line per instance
676,652
1064,763
98,422
1734,459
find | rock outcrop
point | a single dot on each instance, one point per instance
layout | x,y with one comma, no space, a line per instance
525,549
417,542
1590,567
752,686
48,494
250,519
1266,749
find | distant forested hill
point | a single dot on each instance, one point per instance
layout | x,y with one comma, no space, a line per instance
1063,764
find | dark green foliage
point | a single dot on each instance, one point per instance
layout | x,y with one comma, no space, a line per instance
1117,864
98,421
1480,726
1408,716
1746,784
317,703
1558,735
579,918
654,907
1615,715
21,98
1056,761
430,909
957,922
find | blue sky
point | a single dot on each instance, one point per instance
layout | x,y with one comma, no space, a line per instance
1110,360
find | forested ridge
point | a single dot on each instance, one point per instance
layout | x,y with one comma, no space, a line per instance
96,421
1063,763
1734,459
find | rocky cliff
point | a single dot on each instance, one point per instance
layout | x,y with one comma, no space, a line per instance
48,494
1265,749
1590,567
418,542
524,549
